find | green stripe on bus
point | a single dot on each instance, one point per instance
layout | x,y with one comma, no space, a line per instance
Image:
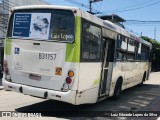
7,47
73,49
96,82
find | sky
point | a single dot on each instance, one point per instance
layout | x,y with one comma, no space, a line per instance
141,10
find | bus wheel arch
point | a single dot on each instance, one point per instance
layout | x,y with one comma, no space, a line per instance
143,78
118,88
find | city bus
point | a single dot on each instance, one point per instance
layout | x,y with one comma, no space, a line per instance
67,54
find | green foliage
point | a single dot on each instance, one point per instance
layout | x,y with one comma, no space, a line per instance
154,43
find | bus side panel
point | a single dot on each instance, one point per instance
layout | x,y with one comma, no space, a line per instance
131,72
134,73
89,78
139,71
117,72
88,96
144,67
125,70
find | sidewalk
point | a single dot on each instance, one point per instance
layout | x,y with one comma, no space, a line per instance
154,105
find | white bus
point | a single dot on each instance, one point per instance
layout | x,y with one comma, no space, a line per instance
66,54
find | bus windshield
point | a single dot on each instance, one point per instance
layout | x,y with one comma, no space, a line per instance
49,25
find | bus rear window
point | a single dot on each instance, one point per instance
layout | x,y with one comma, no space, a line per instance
51,25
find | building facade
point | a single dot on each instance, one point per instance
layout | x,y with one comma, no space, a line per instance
5,7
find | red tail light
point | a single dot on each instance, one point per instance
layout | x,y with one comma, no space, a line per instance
68,80
68,83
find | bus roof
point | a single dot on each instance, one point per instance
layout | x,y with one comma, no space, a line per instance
90,17
113,27
45,7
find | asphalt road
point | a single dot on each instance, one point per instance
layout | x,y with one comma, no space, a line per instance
146,97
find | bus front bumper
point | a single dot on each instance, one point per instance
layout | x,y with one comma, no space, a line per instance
68,96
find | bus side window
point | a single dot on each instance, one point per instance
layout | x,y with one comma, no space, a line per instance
91,42
131,50
119,41
139,51
144,53
121,47
110,51
137,44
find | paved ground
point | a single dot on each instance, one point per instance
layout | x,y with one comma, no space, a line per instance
137,98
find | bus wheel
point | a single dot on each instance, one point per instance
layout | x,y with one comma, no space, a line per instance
143,79
117,90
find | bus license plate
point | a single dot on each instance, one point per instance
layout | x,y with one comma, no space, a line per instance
34,77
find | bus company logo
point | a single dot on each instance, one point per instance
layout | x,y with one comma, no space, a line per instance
17,50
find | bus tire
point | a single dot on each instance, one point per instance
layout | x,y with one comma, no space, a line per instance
143,79
117,90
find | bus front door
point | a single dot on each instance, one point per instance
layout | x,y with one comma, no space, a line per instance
106,72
